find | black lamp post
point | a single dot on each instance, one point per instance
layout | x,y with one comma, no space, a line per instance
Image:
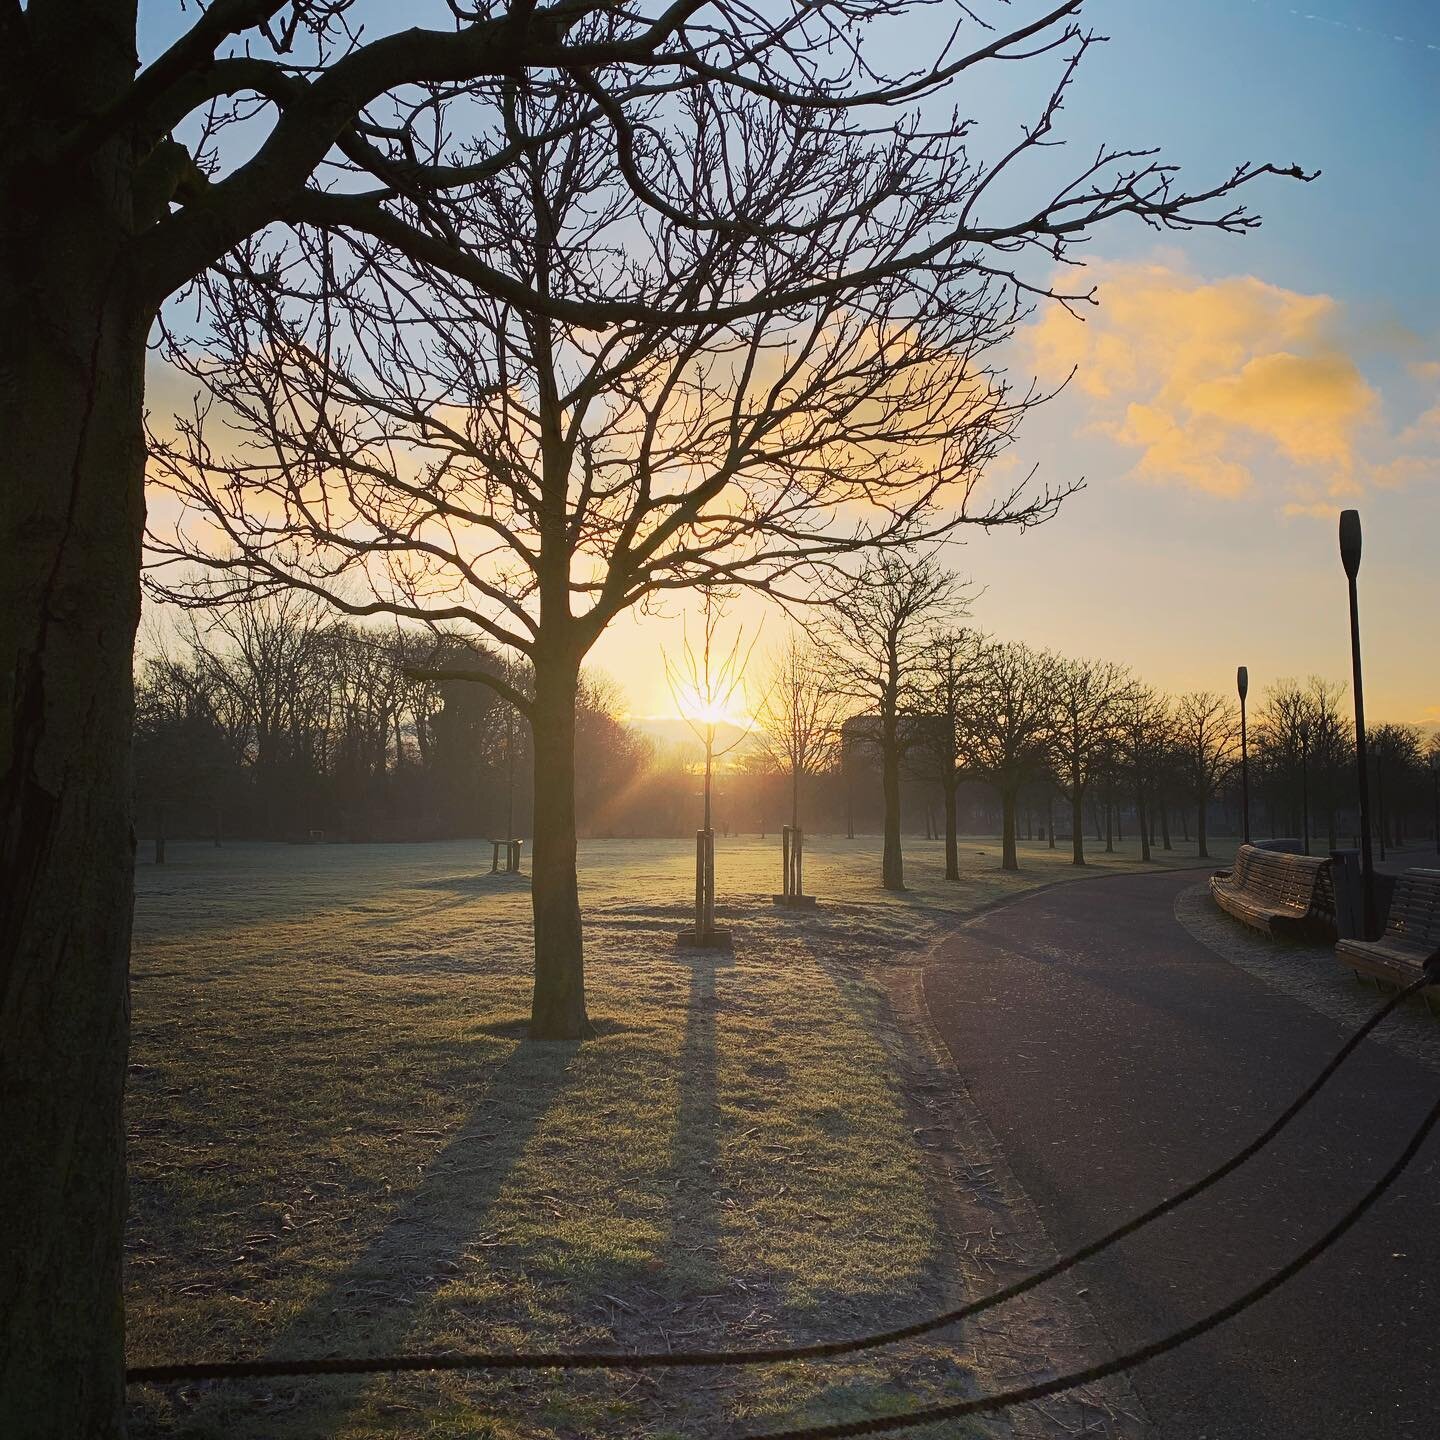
1242,684
1350,558
1305,783
1435,778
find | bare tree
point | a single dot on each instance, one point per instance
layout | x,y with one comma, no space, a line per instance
798,716
1142,734
121,185
1008,726
1087,694
1208,732
946,694
878,630
1332,750
415,447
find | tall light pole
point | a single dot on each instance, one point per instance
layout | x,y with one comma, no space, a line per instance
1242,684
1305,782
1435,778
1350,558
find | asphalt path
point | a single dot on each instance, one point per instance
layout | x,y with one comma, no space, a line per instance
1116,1059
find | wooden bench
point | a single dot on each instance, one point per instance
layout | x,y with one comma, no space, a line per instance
1412,933
1291,896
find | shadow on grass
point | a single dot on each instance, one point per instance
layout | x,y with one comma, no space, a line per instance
694,1177
369,1305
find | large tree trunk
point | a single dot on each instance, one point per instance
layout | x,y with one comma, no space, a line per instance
1077,822
72,356
952,842
1008,860
1201,851
892,863
558,1006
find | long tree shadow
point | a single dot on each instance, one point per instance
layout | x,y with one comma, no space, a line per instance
694,1176
693,1181
370,1305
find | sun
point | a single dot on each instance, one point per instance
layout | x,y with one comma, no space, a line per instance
692,706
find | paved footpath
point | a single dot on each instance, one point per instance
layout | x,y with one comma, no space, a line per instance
1116,1058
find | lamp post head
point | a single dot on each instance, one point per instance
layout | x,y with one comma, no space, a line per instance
1242,681
1350,541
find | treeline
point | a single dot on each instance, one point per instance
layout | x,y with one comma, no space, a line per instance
922,697
275,720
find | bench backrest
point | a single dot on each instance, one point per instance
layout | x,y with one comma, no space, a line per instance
1415,907
1296,881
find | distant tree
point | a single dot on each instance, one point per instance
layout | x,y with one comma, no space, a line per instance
1142,734
1086,697
1332,751
1207,728
798,715
1396,753
945,695
1008,727
877,630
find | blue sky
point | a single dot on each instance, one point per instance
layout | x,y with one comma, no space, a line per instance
1205,537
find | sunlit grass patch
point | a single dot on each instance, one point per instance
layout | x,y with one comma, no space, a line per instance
343,1143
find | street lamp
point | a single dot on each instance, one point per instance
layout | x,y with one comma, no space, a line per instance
1350,558
1242,684
1435,776
1305,782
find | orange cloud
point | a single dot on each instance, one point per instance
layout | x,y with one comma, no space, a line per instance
1215,381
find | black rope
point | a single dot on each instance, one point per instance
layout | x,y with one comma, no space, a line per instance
591,1360
983,1404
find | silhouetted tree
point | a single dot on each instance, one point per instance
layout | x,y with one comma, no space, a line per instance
798,715
444,456
1008,726
1207,728
878,629
1086,698
945,695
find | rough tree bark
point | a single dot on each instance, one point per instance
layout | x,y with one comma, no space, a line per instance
72,356
892,865
1077,818
1143,821
558,1001
952,842
1008,860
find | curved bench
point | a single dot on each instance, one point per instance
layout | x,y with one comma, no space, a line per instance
1291,896
1412,932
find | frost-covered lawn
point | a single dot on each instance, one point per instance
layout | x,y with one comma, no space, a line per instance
341,1142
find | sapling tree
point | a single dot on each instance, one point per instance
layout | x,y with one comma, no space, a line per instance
797,716
705,681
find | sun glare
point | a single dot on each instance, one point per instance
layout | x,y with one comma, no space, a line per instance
692,706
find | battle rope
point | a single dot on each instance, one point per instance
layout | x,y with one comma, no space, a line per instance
982,1404
591,1360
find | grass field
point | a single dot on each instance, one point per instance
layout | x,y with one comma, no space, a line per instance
341,1142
